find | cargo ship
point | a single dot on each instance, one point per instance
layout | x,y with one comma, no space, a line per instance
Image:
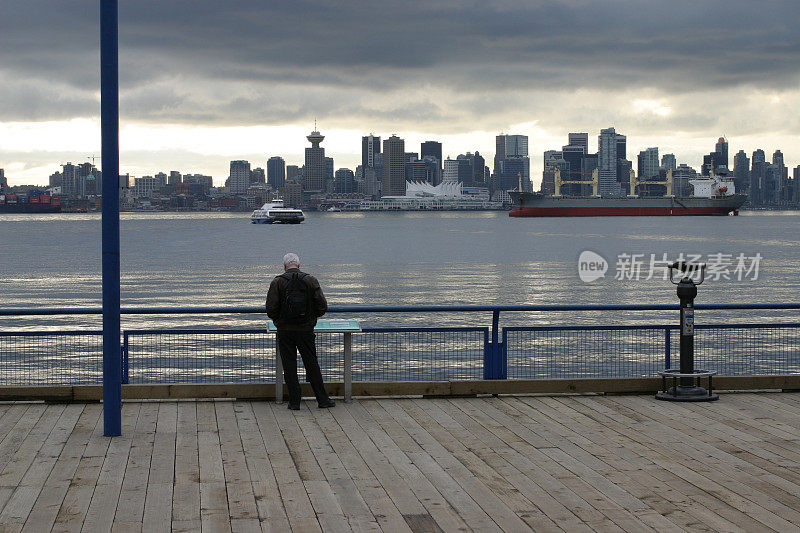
712,195
35,202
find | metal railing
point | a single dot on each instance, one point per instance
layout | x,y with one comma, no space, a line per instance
246,355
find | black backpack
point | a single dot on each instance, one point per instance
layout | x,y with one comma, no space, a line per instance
295,308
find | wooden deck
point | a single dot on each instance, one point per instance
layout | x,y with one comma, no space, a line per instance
571,463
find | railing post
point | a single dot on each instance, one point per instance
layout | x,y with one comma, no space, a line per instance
125,376
494,363
667,347
348,367
487,356
504,356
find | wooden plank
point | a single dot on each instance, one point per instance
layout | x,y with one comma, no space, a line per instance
296,503
33,463
717,477
241,500
130,508
8,421
470,451
530,437
392,441
186,490
213,493
160,482
360,478
12,443
296,443
705,506
81,487
447,483
338,480
214,506
265,487
106,492
45,510
634,471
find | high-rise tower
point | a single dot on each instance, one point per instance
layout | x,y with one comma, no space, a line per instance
394,167
370,147
314,176
607,163
276,172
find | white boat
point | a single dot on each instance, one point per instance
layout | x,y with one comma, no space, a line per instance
275,213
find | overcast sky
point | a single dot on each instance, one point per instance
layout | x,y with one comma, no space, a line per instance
203,82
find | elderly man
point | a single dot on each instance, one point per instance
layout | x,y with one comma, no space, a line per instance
294,302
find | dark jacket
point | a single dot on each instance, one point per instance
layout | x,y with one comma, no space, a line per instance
275,296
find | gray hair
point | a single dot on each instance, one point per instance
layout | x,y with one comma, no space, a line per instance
291,259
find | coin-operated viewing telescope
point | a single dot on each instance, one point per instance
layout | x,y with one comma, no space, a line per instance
689,389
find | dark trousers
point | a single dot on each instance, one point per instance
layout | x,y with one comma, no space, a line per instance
289,342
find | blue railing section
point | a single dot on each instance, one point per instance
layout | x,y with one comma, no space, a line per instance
403,353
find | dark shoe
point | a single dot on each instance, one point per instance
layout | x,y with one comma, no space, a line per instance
327,403
294,407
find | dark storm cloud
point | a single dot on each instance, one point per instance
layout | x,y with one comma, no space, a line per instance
269,62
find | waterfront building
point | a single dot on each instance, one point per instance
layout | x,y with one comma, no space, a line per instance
68,179
552,159
293,171
607,146
370,185
450,174
205,182
741,171
344,181
573,155
314,172
329,174
516,146
758,171
623,169
447,196
257,175
648,163
717,159
579,139
796,185
511,168
54,180
239,179
3,180
432,149
146,187
174,177
423,170
292,193
370,148
668,162
499,153
394,171
721,149
276,172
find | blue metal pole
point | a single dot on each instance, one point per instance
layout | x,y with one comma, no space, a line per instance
109,125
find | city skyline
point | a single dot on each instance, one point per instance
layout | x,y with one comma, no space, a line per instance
247,81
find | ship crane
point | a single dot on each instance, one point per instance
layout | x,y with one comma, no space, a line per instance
593,182
636,182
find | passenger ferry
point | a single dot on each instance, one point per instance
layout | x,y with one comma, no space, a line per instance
275,213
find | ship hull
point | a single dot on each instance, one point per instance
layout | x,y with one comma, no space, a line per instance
29,208
536,205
